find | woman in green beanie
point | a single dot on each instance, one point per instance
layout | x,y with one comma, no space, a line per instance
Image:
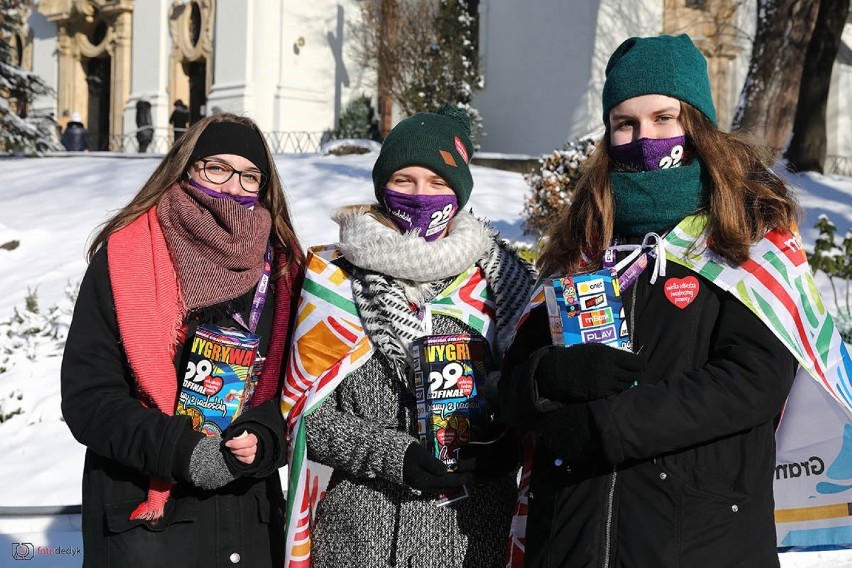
660,453
418,265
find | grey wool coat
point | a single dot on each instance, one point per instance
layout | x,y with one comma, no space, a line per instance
368,516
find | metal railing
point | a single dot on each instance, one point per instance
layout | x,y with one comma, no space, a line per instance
297,142
839,165
306,142
290,142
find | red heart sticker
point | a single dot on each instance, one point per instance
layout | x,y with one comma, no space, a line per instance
681,291
445,436
465,384
212,385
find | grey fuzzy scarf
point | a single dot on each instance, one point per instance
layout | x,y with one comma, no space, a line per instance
394,274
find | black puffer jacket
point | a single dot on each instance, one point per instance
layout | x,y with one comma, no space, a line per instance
690,452
75,138
127,443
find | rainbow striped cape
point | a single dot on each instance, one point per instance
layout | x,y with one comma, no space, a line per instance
776,284
329,343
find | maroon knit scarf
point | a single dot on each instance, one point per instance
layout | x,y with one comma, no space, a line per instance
217,244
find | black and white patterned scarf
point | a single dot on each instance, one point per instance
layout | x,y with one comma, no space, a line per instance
394,275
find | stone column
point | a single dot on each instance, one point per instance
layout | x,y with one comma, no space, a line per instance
120,89
150,65
233,87
66,76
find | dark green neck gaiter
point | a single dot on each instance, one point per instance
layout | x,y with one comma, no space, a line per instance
656,201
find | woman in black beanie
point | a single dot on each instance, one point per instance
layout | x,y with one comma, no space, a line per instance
411,263
205,250
662,454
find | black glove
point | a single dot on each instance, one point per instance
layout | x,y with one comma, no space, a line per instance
585,372
493,459
570,433
424,472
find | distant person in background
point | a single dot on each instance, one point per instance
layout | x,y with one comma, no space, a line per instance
64,120
144,128
75,138
179,119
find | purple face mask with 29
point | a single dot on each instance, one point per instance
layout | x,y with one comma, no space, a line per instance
648,154
428,215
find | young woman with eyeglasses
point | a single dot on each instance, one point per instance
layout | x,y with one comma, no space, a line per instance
205,248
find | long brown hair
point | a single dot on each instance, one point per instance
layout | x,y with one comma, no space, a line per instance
746,199
172,169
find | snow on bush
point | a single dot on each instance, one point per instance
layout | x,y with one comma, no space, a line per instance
30,335
835,260
553,184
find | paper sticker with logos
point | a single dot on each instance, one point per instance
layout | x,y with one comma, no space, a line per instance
586,308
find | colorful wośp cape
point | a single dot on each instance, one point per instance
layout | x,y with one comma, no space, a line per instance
776,284
329,343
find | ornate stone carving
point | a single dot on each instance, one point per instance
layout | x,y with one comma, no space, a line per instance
186,47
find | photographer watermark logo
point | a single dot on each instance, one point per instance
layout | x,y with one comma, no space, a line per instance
26,551
22,550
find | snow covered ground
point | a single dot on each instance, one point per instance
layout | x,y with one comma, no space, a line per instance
51,207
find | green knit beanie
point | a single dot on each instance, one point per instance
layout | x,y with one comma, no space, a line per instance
662,65
438,141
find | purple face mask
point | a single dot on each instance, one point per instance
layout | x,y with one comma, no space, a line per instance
247,201
647,154
426,214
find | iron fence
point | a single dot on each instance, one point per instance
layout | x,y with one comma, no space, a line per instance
289,142
839,165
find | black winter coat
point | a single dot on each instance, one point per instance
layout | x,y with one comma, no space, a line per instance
127,443
690,451
75,138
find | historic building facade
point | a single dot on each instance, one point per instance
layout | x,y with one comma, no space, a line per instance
289,65
544,63
281,62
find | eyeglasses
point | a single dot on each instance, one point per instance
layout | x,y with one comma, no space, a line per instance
218,173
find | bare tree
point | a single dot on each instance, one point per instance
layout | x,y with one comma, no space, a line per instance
807,148
379,45
421,53
768,99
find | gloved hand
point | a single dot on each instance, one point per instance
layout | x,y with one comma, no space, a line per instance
585,372
493,459
424,472
570,433
207,467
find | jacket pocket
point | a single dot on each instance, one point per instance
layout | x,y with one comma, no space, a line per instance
176,511
702,481
146,545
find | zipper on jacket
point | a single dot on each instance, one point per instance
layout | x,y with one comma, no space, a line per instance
609,546
610,506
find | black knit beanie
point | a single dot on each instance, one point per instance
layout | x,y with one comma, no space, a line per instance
661,65
232,138
438,141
